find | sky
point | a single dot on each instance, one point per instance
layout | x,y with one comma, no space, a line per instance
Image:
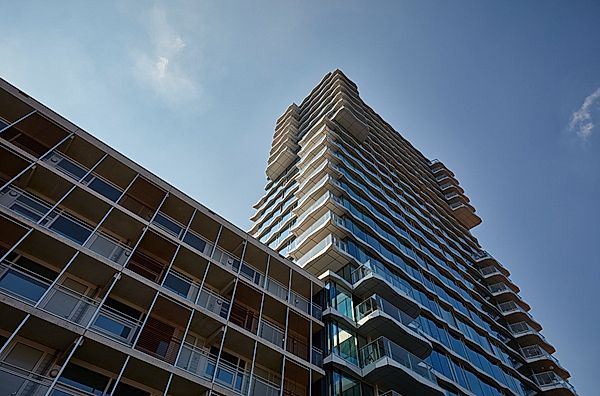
506,94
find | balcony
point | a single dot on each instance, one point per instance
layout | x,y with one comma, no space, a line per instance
181,285
551,383
498,273
374,277
513,312
329,223
502,292
388,364
72,168
328,254
539,360
64,224
378,317
526,335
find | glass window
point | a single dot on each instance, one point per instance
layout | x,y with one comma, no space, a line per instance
84,379
459,374
167,224
71,168
128,390
70,229
177,285
103,188
194,241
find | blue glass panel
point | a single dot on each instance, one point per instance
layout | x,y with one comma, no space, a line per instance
22,285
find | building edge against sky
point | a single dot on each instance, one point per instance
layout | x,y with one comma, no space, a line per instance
113,282
414,306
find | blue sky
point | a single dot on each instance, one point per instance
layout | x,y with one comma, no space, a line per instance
505,93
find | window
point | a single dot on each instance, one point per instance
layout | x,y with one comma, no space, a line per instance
103,188
194,241
84,379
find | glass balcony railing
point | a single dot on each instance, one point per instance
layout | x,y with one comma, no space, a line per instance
532,352
108,247
376,303
22,283
383,348
227,259
69,305
198,242
328,240
232,377
511,307
276,288
265,385
117,325
271,332
196,361
376,268
550,379
17,381
214,303
522,328
317,357
490,270
498,288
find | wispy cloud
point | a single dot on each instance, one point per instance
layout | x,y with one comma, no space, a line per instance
161,67
582,122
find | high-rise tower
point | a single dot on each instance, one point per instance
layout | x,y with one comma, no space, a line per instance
414,306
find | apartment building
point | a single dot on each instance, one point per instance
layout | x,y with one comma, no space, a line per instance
113,282
413,304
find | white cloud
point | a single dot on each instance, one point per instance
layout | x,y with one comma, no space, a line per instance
581,121
161,67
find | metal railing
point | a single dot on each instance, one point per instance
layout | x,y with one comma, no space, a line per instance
383,348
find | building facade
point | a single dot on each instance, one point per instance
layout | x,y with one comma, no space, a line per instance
112,282
414,306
